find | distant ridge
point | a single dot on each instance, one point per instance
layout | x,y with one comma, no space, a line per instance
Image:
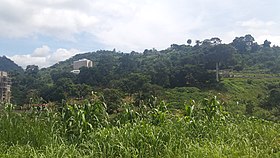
8,65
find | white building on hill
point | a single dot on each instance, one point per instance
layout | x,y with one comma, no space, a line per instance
81,63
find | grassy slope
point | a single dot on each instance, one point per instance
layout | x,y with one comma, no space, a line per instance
245,96
239,94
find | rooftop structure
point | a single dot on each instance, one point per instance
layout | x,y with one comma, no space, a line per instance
75,71
5,87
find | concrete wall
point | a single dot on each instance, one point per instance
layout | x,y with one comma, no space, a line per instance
82,63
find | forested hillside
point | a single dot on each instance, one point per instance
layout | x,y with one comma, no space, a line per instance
7,64
193,67
203,100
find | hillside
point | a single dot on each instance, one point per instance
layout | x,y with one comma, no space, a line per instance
180,72
94,56
242,54
8,65
206,100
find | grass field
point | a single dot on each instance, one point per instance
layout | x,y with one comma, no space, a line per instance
202,129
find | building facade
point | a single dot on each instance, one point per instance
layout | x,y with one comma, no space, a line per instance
5,87
81,63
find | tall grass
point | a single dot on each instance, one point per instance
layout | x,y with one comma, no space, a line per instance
203,129
24,129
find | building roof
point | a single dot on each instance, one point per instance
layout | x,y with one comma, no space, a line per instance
84,59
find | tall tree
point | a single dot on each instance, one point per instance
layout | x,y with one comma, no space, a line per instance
32,70
198,43
243,44
266,44
215,41
189,41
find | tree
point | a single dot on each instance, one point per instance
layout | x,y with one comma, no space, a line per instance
82,90
160,73
215,41
243,44
220,54
134,83
128,64
266,44
249,39
32,70
189,41
105,69
255,47
89,76
198,42
113,99
273,99
56,75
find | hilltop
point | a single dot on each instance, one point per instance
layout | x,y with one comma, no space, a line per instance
8,65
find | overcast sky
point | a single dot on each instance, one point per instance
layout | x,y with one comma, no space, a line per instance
43,32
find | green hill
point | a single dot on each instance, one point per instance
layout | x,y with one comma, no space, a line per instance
248,76
8,65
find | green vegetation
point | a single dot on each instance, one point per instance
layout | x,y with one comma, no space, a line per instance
203,129
241,71
8,65
137,104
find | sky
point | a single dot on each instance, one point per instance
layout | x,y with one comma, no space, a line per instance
44,32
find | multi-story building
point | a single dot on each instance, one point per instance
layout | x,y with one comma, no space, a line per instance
5,87
81,63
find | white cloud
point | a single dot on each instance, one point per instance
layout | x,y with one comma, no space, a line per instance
257,24
274,39
62,23
262,30
41,52
53,18
138,24
43,57
61,55
153,25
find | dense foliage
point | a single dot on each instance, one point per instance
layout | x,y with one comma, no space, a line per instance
120,75
203,129
137,104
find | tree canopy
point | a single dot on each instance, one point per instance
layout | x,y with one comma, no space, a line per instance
144,73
